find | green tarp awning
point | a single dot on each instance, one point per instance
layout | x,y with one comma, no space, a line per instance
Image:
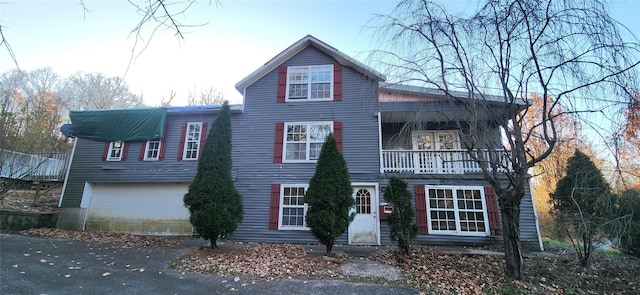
119,125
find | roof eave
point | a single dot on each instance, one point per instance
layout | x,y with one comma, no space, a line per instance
296,48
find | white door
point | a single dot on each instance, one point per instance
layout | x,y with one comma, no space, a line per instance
424,161
432,156
448,161
364,229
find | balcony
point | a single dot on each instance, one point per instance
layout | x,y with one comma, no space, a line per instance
456,161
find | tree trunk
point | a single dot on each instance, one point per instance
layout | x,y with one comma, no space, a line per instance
329,247
510,208
214,239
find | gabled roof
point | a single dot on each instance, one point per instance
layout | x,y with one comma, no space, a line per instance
294,49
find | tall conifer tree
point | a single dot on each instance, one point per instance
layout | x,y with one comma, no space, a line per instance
583,204
213,201
329,196
401,221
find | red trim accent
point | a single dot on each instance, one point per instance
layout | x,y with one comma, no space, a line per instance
493,214
337,134
421,209
203,138
274,207
183,134
337,82
279,143
125,151
143,147
381,214
105,151
163,143
282,84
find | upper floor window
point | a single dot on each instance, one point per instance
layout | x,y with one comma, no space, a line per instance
115,151
192,140
310,82
303,141
152,150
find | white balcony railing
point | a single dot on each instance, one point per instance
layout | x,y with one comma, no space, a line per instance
437,161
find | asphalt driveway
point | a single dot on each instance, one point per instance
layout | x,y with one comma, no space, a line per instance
32,265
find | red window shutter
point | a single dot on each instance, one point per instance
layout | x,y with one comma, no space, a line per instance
125,151
279,143
421,209
143,148
337,82
203,138
183,134
493,213
337,134
282,84
105,151
274,207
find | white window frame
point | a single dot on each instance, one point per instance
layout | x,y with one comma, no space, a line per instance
115,153
307,73
456,210
281,226
190,151
307,141
434,138
157,150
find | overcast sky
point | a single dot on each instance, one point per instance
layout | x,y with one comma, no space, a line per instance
227,42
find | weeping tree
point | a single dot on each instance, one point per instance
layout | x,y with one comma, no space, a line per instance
489,62
213,201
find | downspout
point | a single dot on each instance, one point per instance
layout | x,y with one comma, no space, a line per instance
244,94
377,115
535,215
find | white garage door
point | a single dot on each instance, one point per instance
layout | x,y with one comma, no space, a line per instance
149,209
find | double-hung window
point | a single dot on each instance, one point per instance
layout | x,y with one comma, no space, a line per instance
152,150
292,207
115,151
456,210
310,82
303,141
192,141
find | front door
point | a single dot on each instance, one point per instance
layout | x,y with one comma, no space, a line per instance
364,229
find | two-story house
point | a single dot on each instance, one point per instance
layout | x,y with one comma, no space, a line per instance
127,180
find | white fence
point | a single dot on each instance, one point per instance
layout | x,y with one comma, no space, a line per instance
438,161
33,167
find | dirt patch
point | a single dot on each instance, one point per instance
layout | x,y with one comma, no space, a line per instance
554,271
116,239
24,200
264,261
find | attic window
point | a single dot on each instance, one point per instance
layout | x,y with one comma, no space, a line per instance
310,82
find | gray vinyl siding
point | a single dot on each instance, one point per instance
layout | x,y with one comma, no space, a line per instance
87,164
528,229
254,138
